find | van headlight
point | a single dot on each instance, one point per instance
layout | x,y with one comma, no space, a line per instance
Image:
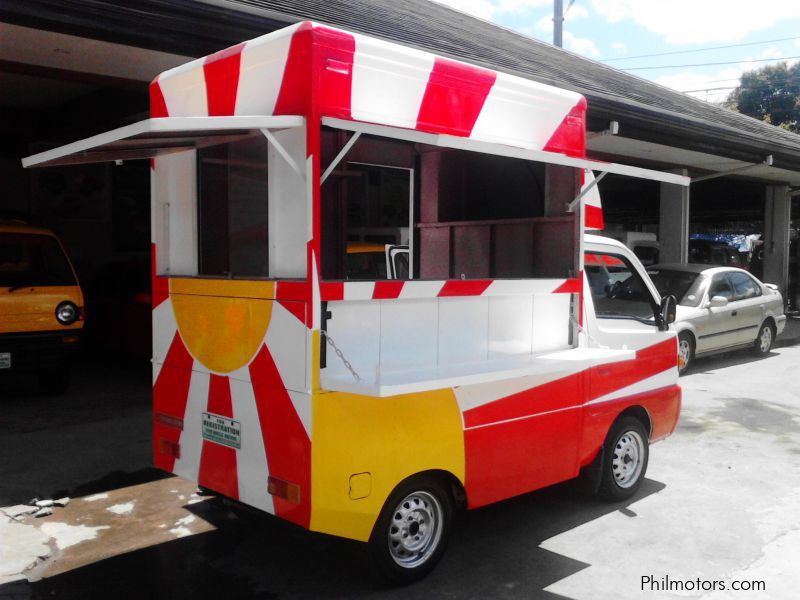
67,313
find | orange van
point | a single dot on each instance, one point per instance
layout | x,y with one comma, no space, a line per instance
41,306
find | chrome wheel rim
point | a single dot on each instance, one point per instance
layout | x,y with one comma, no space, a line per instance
415,529
684,354
628,459
766,339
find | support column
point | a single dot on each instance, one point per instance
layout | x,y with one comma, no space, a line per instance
777,215
673,229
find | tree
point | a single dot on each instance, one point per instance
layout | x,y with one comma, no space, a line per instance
770,94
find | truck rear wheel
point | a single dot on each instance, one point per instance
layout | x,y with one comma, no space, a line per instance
625,455
411,533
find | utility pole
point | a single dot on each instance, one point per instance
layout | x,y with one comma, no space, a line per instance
558,23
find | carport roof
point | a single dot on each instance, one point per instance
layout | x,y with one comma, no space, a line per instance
646,111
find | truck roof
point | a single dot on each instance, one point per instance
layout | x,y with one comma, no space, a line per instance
361,78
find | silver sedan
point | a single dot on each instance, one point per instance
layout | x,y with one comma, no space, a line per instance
720,309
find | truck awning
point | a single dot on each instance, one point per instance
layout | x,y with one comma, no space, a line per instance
462,143
154,137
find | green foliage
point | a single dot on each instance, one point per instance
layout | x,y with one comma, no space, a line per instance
770,94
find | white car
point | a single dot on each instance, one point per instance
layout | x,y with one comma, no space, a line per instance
720,309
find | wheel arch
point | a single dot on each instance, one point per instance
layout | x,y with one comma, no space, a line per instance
641,414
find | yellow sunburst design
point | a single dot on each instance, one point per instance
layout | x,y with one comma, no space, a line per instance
222,322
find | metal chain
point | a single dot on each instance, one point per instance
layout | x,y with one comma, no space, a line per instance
339,353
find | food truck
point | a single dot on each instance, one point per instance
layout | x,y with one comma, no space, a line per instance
373,405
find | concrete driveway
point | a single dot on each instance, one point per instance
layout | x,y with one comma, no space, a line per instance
721,504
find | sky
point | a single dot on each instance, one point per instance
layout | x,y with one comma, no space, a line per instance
619,32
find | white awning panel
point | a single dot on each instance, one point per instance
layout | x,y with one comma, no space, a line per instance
153,137
461,143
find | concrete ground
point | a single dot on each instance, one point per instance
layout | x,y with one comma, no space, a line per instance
721,503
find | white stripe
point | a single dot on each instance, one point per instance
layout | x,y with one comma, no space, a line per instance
473,396
286,341
421,289
263,63
184,90
504,421
359,291
664,379
164,329
191,440
389,82
522,113
251,458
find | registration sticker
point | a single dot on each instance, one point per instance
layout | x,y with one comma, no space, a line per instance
222,430
5,360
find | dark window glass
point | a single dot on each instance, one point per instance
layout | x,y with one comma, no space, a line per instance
232,208
618,291
365,261
685,286
647,254
33,260
743,286
720,286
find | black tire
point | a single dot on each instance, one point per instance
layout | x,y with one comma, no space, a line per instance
626,438
687,340
412,506
55,382
764,341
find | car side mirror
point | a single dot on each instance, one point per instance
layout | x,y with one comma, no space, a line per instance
718,302
669,309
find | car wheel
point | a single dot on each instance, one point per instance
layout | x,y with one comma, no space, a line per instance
625,455
411,533
685,351
54,383
763,343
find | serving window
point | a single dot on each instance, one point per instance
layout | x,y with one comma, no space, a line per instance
426,212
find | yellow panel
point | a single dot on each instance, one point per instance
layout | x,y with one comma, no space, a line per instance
221,330
391,438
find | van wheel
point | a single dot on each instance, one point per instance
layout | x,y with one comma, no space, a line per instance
625,455
685,351
411,533
55,382
763,343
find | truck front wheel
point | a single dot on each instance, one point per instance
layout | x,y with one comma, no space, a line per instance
625,454
412,530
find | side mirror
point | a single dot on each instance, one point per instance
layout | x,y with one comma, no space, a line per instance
669,309
718,302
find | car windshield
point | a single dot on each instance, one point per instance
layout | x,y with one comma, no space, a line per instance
32,260
684,285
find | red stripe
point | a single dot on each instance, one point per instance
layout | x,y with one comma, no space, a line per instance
159,287
335,51
387,290
570,286
593,217
221,72
158,106
332,291
293,296
570,137
294,97
649,361
218,469
550,396
454,97
170,394
464,287
286,443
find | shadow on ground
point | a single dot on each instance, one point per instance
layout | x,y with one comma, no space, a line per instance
494,553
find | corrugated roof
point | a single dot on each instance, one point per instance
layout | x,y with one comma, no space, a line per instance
439,29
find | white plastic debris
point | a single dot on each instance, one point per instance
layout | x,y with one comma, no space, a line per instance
43,512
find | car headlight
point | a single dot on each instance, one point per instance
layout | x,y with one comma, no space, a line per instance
67,313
